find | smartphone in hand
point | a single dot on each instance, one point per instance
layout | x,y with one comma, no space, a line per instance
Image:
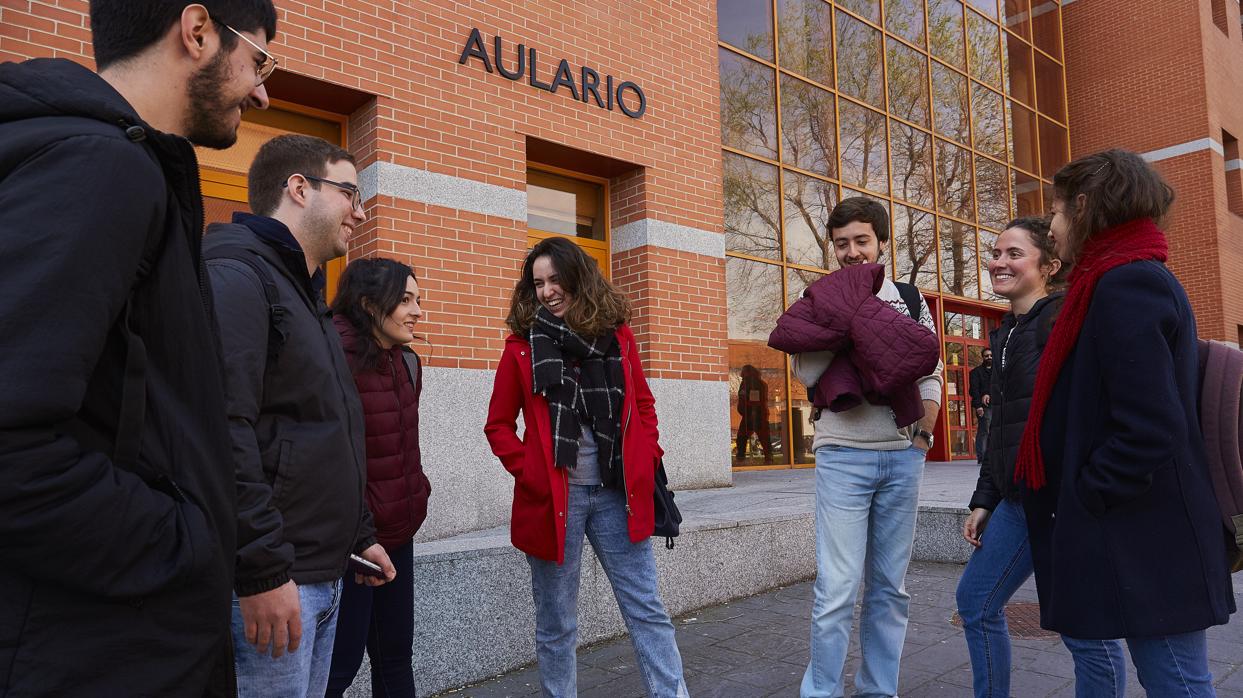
366,568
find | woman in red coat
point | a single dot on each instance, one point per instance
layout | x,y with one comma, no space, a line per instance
376,310
586,462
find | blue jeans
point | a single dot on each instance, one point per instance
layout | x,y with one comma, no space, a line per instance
293,674
1173,665
995,571
380,620
600,514
866,503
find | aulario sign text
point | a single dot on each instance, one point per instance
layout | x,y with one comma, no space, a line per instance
588,87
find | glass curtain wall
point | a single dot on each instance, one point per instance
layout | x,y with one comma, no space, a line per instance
951,113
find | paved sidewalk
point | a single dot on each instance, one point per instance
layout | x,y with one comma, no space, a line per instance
758,647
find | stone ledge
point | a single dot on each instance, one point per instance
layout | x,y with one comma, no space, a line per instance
473,609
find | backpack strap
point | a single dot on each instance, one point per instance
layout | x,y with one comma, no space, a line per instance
413,368
276,311
132,413
912,297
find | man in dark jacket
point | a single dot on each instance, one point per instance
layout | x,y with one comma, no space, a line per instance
117,499
978,381
295,419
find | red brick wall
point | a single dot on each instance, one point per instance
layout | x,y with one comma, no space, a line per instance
432,113
1182,82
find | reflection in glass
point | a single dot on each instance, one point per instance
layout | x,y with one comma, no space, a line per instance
797,280
753,293
859,72
945,31
911,153
954,190
1018,19
1025,193
751,206
984,47
1019,82
863,148
867,9
1046,22
988,7
908,83
987,240
905,18
949,103
564,205
1023,133
988,120
747,24
1054,148
992,191
808,203
808,133
806,39
959,273
748,105
914,247
1051,99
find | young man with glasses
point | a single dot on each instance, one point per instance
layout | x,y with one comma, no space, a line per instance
295,418
117,490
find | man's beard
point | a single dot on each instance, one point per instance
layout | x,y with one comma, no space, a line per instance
206,125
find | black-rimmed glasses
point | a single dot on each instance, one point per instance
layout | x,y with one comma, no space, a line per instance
356,195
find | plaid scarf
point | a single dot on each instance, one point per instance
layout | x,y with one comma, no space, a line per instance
583,382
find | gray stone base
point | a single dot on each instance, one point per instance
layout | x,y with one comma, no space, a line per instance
473,609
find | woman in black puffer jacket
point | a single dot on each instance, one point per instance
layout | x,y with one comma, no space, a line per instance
1022,268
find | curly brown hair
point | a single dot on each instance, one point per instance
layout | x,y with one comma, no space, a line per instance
1117,187
596,306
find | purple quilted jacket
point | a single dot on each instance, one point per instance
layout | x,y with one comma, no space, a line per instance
879,353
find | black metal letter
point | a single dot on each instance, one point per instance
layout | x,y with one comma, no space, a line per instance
564,77
531,77
591,80
500,64
622,103
609,89
474,47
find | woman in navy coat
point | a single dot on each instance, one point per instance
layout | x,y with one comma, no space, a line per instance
1126,537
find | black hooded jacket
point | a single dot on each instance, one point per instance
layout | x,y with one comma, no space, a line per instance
115,575
294,414
1017,345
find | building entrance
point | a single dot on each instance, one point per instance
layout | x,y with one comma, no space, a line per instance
965,332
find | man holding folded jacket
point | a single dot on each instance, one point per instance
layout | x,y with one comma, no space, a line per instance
868,351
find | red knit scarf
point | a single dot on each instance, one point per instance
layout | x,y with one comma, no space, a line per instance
1137,240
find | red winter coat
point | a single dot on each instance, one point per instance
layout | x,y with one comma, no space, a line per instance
397,489
881,353
541,490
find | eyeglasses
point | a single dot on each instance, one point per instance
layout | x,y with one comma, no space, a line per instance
265,69
356,196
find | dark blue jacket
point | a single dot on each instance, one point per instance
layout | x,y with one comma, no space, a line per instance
1126,537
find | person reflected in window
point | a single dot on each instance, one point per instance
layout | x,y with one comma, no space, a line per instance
977,381
753,408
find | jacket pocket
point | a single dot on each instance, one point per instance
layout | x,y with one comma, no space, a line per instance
284,457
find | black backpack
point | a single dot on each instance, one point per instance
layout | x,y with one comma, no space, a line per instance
276,311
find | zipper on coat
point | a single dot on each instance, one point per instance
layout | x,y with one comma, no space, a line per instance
621,445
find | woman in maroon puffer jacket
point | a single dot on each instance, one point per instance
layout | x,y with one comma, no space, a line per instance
376,310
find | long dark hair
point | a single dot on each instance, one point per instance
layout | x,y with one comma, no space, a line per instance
1118,186
596,308
370,290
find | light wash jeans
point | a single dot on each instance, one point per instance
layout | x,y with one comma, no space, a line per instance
995,571
294,674
866,503
600,514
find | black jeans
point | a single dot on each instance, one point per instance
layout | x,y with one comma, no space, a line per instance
381,621
981,432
